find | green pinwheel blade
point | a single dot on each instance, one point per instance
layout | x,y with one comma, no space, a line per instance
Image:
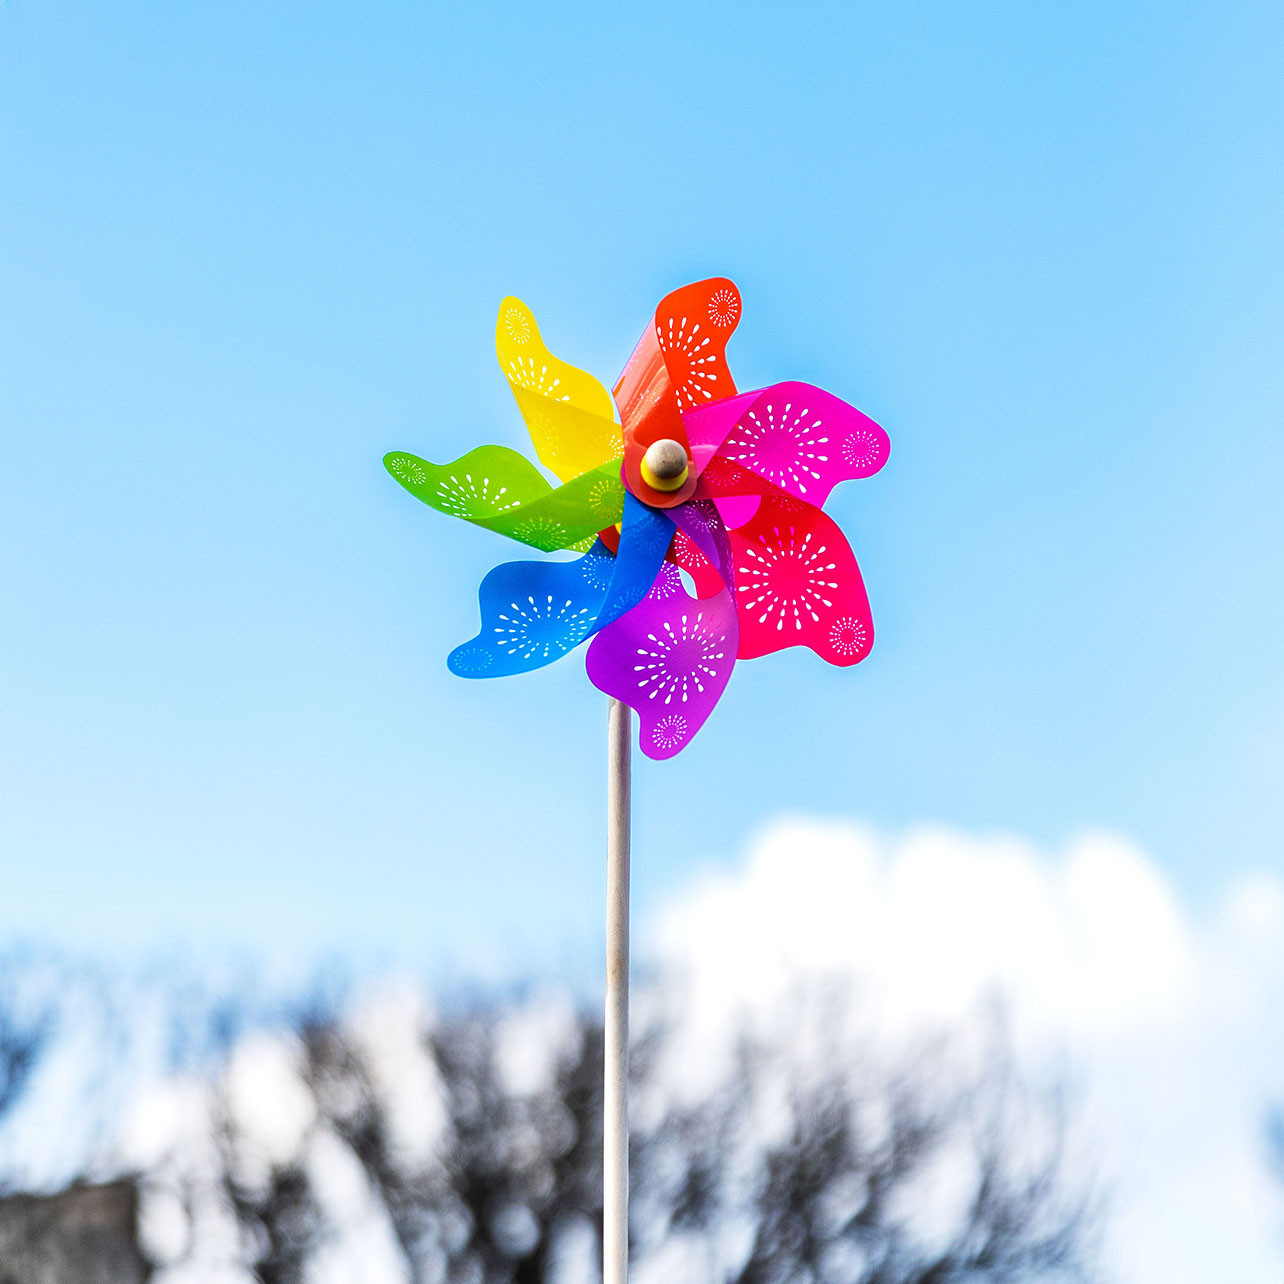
495,487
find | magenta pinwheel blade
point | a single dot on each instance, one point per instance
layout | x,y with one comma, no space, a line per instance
708,426
669,659
804,440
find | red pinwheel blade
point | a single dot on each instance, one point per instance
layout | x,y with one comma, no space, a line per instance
679,362
798,584
692,326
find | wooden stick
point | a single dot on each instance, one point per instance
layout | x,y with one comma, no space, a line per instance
615,1130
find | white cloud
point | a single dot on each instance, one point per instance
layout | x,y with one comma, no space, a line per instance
1173,1019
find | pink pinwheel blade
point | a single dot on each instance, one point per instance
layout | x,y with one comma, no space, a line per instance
707,427
798,584
669,659
804,440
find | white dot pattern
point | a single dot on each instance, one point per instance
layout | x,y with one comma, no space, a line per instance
782,441
534,375
467,495
849,636
518,325
724,308
786,577
695,358
541,627
679,658
669,731
406,469
862,449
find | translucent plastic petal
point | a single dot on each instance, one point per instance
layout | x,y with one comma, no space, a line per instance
670,659
686,553
693,325
503,491
804,440
708,425
535,612
482,484
566,515
701,522
570,415
797,584
722,478
679,361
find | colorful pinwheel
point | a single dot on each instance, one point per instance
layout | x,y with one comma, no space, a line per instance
694,477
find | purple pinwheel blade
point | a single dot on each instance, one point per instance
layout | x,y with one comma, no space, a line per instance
701,520
535,612
669,658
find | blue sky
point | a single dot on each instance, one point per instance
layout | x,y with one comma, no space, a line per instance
249,248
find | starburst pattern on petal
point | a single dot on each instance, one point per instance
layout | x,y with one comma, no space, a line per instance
534,375
669,731
406,469
465,495
848,636
862,448
472,660
606,498
541,627
668,583
680,658
541,532
517,324
724,308
691,359
783,442
786,579
597,568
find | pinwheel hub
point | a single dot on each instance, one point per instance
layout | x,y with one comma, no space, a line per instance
665,466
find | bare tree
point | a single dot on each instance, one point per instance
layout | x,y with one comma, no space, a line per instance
927,1168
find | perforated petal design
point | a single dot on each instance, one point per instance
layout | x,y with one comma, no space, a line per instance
570,415
501,490
670,659
532,613
797,584
805,441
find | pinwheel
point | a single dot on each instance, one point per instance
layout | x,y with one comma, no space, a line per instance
692,477
694,483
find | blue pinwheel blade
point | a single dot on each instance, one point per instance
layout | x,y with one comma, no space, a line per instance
535,612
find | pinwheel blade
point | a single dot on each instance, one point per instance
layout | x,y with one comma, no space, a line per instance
503,491
669,659
570,415
796,436
535,612
798,584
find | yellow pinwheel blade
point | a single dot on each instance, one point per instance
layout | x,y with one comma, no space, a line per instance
571,416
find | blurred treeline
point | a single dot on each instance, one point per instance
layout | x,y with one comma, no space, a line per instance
379,1138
